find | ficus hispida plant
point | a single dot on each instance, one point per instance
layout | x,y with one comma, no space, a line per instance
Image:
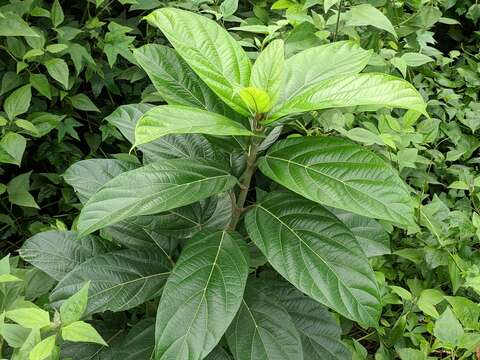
234,220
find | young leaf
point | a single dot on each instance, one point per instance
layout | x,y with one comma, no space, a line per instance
268,70
257,100
74,307
177,119
59,252
263,329
12,147
374,89
43,349
80,331
209,50
338,173
159,186
202,295
30,317
18,102
119,280
313,250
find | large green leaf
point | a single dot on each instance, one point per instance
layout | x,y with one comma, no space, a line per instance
218,354
178,119
371,236
263,329
119,280
372,89
87,176
313,250
174,80
125,118
160,231
163,230
320,333
59,252
209,50
313,65
338,173
151,189
201,296
268,70
138,344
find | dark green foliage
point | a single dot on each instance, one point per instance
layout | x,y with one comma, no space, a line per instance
239,180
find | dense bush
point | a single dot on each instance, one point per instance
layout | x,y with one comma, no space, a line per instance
246,180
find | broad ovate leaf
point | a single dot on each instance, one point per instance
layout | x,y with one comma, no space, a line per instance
59,252
87,176
336,172
316,252
209,50
12,147
371,235
319,331
319,63
151,189
119,280
201,296
139,342
268,70
162,231
177,119
373,89
125,118
263,329
174,80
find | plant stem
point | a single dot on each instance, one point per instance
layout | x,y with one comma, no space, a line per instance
246,178
338,20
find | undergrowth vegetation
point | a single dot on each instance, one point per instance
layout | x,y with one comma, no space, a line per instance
259,179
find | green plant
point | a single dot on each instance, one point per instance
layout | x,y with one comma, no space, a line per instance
197,222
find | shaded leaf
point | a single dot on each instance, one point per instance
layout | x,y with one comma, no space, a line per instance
119,280
59,252
158,187
263,329
201,296
313,250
